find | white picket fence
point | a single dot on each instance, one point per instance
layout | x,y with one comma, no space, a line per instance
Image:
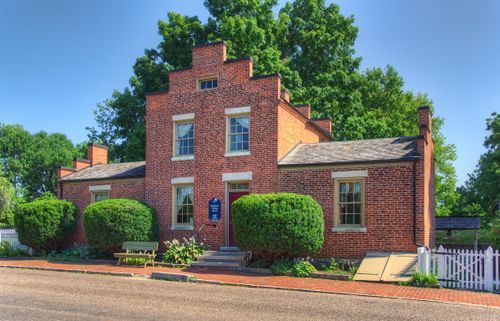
10,235
466,269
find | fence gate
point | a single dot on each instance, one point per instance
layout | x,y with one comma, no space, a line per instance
466,269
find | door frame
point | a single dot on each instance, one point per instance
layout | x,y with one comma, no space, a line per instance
226,205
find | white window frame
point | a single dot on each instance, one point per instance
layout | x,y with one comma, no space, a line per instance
346,177
232,113
177,120
175,225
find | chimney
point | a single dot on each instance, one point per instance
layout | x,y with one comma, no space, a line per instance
97,154
324,123
64,171
425,122
79,163
304,109
209,54
285,95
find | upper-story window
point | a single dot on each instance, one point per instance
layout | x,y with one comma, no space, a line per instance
209,83
184,139
238,133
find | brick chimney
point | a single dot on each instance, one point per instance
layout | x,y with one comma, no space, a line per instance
324,123
285,95
209,54
304,109
64,171
425,122
97,154
79,163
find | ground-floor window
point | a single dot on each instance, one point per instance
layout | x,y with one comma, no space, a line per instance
349,203
99,196
183,206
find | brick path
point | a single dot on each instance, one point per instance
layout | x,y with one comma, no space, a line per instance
310,284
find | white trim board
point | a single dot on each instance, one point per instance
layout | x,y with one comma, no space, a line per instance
241,176
182,180
183,117
238,110
349,174
98,188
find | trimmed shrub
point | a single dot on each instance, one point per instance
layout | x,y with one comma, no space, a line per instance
111,222
44,223
278,224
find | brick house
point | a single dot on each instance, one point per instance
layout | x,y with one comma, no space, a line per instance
221,132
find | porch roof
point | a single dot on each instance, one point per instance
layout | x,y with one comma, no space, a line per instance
458,223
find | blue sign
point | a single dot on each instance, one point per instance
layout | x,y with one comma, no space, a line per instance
214,209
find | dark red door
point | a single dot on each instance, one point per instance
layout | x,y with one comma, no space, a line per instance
233,196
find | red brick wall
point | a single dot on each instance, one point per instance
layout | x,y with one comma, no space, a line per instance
78,193
236,89
293,128
388,208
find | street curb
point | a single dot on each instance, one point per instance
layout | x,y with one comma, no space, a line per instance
189,278
127,274
271,287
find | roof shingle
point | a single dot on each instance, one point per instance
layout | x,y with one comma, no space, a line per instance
356,151
108,171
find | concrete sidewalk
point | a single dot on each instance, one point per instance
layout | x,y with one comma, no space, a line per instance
233,277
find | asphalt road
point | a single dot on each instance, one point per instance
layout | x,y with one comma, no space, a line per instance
43,295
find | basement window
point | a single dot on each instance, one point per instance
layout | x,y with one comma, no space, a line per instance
210,83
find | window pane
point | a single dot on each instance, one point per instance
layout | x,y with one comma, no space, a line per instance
343,187
357,219
357,197
349,197
184,204
357,187
350,203
185,139
203,85
239,133
357,208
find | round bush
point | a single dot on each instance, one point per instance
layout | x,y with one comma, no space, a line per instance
278,224
111,222
44,223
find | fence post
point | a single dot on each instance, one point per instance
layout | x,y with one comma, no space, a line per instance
441,265
423,260
488,269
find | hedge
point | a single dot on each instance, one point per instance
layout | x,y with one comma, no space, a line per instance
111,222
45,222
278,224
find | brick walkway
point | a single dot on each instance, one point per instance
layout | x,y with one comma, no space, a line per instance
310,284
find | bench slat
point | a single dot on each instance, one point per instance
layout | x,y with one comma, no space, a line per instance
140,246
134,255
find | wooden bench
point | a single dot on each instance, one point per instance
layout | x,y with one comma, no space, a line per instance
138,250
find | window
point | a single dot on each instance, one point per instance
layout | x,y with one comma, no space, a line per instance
349,208
99,196
238,133
184,139
183,206
211,83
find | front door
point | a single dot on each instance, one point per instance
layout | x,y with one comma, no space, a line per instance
233,196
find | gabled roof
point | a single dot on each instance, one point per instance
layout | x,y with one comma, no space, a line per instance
356,151
458,223
108,171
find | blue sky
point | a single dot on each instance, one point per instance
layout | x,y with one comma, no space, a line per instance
59,58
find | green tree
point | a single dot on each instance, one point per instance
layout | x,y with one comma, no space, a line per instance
482,188
8,202
312,45
30,161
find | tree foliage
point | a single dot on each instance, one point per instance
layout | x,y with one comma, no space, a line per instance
30,161
8,202
312,45
482,189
